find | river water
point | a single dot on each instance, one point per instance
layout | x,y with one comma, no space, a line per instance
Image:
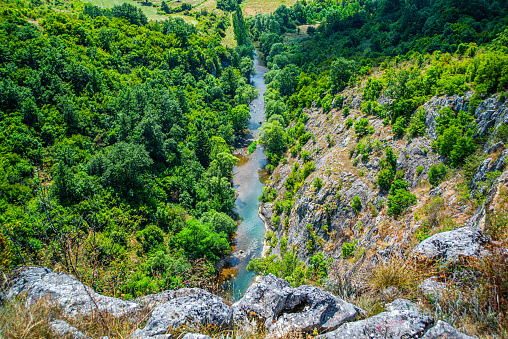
248,179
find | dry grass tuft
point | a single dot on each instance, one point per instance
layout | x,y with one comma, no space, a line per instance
396,272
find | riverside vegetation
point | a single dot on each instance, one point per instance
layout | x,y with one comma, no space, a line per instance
386,133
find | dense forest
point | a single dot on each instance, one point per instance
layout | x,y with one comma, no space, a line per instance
115,144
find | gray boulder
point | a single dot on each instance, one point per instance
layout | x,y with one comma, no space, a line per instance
66,291
191,306
386,325
139,334
195,336
449,246
284,309
61,329
444,330
432,288
402,305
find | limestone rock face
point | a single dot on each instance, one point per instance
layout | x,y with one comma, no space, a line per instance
417,153
191,306
486,167
68,292
478,220
195,336
394,324
284,309
449,246
435,104
490,113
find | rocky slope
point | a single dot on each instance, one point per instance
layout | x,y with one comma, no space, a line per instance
346,173
272,303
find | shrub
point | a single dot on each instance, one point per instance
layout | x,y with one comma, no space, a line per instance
400,198
252,147
356,204
346,111
362,128
349,122
151,238
455,135
419,170
399,127
348,249
318,183
437,173
385,178
220,221
417,124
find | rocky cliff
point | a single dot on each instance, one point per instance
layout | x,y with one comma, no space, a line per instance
323,218
270,308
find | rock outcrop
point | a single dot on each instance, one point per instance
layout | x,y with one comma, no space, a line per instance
450,246
66,291
284,309
394,324
281,308
193,307
444,330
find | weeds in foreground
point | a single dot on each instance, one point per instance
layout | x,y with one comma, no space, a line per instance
18,321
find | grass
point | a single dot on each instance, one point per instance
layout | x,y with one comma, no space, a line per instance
150,11
253,7
17,321
396,273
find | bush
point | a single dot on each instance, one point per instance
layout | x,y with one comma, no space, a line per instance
349,122
399,200
362,128
417,124
385,178
348,249
437,173
318,183
399,127
252,147
455,135
356,204
151,238
221,222
345,112
419,170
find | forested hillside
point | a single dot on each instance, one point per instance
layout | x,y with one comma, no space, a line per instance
115,144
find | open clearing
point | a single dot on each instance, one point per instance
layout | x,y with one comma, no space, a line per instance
253,7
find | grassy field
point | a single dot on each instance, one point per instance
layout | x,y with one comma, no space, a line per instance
253,7
150,11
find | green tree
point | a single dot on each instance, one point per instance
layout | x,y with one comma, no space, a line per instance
199,240
273,137
341,71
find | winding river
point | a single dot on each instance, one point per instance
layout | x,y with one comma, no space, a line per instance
248,179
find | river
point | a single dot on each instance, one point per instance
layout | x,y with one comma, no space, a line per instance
248,179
